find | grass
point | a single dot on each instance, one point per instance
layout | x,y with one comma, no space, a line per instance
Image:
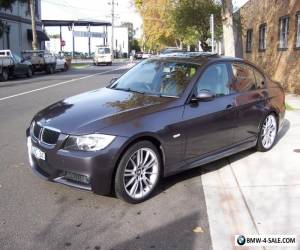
288,107
80,65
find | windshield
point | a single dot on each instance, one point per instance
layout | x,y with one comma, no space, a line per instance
157,77
104,51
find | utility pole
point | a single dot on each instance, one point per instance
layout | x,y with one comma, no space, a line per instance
212,30
112,24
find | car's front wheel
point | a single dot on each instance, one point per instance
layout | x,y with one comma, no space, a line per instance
268,133
138,172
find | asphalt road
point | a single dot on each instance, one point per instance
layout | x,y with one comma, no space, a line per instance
35,214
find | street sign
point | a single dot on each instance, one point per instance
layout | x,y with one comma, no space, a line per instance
63,43
89,34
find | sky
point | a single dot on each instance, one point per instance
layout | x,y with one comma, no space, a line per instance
125,11
98,10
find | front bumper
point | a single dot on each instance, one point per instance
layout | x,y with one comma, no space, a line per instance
86,170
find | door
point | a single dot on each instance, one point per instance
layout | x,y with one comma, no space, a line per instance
209,125
249,85
19,68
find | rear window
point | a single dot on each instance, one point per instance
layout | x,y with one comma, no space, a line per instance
103,50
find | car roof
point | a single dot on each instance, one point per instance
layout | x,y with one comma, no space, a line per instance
199,58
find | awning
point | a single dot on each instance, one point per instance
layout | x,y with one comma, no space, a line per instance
41,36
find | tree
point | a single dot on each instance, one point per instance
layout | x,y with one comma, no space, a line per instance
228,34
33,25
157,32
180,22
190,20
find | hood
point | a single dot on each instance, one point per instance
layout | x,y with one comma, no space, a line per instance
91,111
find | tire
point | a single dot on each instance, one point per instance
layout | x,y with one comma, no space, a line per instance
140,182
4,76
50,69
65,67
268,133
29,72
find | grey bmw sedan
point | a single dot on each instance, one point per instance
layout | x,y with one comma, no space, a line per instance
165,115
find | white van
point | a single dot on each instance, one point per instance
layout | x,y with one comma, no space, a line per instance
103,55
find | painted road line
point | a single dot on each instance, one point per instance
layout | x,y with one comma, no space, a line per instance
60,83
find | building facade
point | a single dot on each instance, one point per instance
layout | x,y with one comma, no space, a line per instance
15,27
270,37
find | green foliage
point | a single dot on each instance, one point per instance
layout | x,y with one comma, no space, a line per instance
174,22
134,45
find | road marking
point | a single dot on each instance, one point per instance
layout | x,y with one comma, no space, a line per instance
60,83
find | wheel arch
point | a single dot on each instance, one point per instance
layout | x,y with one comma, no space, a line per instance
143,137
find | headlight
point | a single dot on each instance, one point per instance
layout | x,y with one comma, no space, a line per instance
91,142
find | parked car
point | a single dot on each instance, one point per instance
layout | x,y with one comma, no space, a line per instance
164,116
170,50
103,55
41,60
61,63
13,65
138,55
146,55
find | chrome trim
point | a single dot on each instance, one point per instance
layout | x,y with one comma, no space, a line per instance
40,138
62,180
53,129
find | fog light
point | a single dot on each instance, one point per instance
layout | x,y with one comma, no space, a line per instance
76,177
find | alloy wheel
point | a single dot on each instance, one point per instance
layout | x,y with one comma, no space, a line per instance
141,173
269,130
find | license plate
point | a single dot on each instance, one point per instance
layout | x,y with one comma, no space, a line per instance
36,152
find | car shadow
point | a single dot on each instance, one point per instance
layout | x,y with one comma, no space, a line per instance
170,181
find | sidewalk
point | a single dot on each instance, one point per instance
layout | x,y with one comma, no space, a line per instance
254,192
293,100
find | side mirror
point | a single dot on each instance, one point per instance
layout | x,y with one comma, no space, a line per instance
204,96
113,80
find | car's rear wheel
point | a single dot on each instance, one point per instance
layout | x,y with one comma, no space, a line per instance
267,134
66,67
138,172
29,72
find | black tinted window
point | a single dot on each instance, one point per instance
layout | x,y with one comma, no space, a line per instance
243,78
216,79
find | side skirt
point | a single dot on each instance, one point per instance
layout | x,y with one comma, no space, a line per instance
216,155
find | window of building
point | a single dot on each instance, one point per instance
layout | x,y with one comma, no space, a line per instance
243,78
215,79
283,32
249,40
298,30
263,37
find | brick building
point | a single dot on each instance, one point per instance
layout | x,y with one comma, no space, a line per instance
270,37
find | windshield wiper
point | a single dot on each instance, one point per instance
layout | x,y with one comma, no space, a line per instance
130,90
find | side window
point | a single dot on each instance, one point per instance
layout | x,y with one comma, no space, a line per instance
216,79
260,79
243,78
